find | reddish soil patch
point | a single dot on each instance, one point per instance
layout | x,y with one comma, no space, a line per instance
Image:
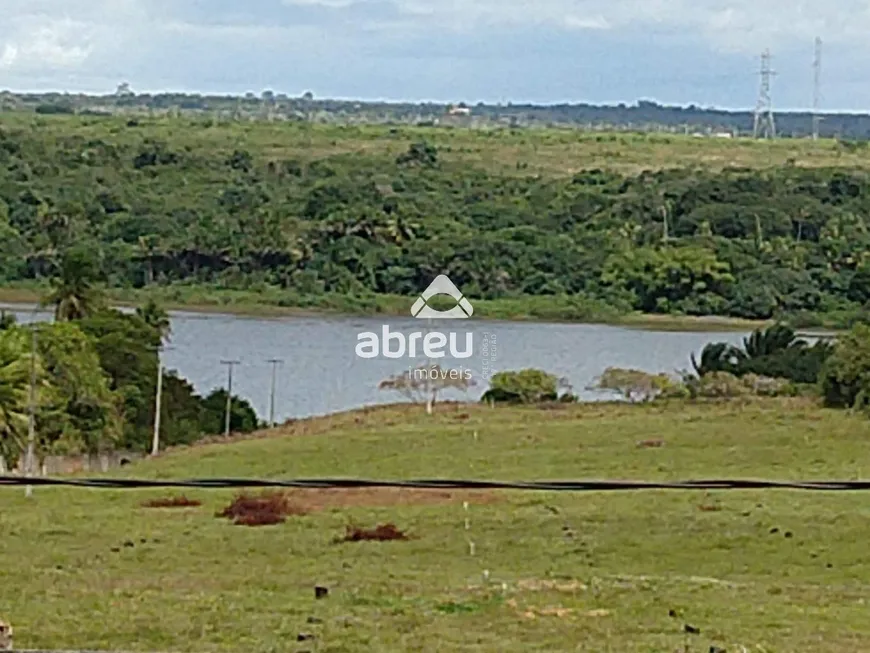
264,509
375,497
381,533
172,502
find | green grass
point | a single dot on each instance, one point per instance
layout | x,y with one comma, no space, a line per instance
544,151
198,583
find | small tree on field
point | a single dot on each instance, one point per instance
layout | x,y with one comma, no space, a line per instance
423,384
635,385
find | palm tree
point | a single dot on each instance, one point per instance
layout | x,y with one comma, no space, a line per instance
74,295
157,318
770,341
717,357
14,380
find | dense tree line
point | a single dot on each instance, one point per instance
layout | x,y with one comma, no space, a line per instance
743,243
92,372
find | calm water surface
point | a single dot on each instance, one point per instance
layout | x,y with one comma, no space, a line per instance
322,374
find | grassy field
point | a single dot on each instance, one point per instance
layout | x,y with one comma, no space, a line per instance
757,571
548,152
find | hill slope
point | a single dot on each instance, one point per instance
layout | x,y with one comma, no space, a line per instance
590,572
554,223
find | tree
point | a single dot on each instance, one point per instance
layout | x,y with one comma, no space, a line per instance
243,417
14,387
73,293
774,352
717,357
845,378
420,153
424,383
79,412
156,317
127,348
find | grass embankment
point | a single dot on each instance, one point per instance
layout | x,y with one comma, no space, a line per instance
279,303
764,570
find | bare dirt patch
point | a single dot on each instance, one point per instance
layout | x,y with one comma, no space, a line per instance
381,533
172,502
264,509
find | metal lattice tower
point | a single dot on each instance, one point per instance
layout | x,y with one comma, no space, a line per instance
764,124
817,87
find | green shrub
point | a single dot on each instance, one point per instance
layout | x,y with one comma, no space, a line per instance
636,385
845,377
527,386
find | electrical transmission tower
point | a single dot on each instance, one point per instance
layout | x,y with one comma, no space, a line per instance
764,124
817,87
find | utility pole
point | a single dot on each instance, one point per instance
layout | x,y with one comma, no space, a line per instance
158,399
230,365
817,86
764,123
275,362
31,417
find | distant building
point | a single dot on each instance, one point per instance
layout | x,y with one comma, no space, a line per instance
459,110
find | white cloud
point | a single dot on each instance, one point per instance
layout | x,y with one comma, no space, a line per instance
730,25
72,44
52,44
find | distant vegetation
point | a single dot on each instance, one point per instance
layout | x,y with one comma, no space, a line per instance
361,219
644,115
772,362
95,376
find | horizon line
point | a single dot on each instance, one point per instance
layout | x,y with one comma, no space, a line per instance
507,103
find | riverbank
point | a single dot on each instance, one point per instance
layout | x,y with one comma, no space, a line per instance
275,303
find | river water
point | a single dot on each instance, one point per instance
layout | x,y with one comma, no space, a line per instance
322,373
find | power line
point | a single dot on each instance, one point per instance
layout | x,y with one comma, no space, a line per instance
30,459
230,365
817,85
764,123
449,484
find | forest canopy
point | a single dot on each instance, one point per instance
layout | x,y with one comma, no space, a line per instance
190,203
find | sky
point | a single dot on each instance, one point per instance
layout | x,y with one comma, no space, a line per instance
702,52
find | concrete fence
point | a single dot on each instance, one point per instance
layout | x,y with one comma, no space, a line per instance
59,465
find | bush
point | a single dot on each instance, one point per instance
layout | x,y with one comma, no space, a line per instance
772,352
725,385
718,385
527,386
636,385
